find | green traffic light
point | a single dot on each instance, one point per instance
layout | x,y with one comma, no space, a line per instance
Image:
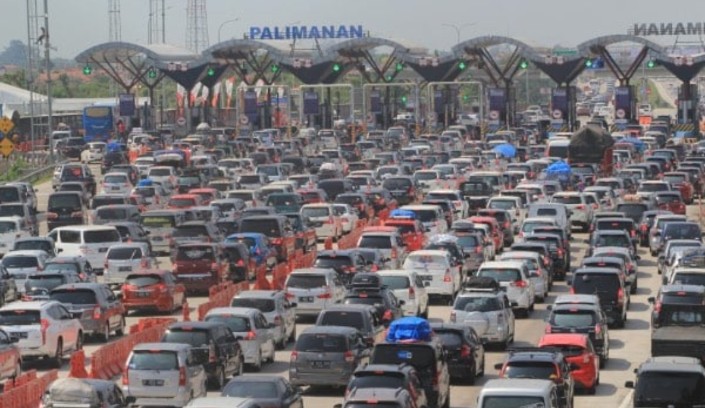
336,67
87,70
152,73
275,68
523,64
588,63
399,66
404,99
211,72
462,65
389,78
651,64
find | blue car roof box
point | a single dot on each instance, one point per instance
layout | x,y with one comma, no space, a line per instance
409,329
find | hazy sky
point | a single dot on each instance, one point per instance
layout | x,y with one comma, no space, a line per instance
78,24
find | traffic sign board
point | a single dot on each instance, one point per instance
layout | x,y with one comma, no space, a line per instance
6,125
6,147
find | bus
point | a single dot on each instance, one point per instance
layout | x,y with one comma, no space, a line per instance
97,123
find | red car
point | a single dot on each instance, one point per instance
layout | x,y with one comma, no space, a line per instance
497,234
184,201
679,180
200,266
577,349
153,290
670,201
207,194
313,196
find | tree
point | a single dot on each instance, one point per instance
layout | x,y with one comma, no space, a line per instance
14,54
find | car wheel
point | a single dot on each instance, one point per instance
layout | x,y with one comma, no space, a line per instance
481,373
292,337
105,336
470,375
58,359
634,288
257,366
446,404
121,330
240,369
591,390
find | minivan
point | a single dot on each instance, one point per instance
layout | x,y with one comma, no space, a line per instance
89,241
314,289
160,225
609,285
518,392
65,208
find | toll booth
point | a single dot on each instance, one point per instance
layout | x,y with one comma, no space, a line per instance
563,99
687,103
625,106
499,102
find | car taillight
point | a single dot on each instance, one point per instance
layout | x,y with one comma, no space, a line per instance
276,241
571,290
560,252
465,351
506,224
77,214
394,253
211,353
144,263
519,283
580,207
643,227
545,261
44,325
435,381
277,320
290,295
126,376
294,356
620,296
412,293
598,330
547,329
447,278
478,249
330,220
657,307
326,295
538,273
387,317
214,266
452,316
586,358
349,357
96,313
182,376
250,335
632,233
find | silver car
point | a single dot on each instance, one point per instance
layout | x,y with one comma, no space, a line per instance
488,311
539,276
314,289
251,327
276,307
124,259
159,374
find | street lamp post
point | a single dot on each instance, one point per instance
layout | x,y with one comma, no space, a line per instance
458,28
224,23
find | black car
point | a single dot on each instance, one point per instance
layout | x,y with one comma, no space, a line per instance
214,339
466,354
76,172
65,208
238,255
266,391
675,297
346,262
555,248
73,147
8,288
111,159
387,306
609,285
581,318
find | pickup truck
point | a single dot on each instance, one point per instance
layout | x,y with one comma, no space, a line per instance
677,331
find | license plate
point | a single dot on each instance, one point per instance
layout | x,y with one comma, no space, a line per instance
19,335
306,299
153,383
426,277
102,249
124,269
143,294
115,188
320,364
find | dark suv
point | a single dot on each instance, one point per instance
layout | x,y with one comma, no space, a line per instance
215,340
277,228
608,284
669,381
65,208
675,297
392,376
540,364
466,354
581,318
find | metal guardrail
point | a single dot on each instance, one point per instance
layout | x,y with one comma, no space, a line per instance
41,171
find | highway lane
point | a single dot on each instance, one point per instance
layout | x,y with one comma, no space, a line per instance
629,346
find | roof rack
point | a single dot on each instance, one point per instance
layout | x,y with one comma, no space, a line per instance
480,284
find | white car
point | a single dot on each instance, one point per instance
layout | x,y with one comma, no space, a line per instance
117,183
275,306
257,333
165,175
89,241
488,311
323,219
21,264
459,203
440,275
513,277
314,289
11,229
45,329
538,276
581,211
94,152
409,287
348,217
123,259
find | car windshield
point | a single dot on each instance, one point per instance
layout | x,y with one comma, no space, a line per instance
613,241
153,360
689,278
123,254
7,226
566,200
375,380
397,184
18,261
529,227
112,213
306,281
182,202
497,401
682,231
669,388
573,318
61,267
321,343
269,228
596,283
533,369
74,296
251,389
263,305
500,275
101,201
101,236
236,324
501,204
195,253
375,241
395,282
11,210
44,280
477,304
19,317
34,244
332,261
158,221
115,179
141,281
450,340
315,212
196,338
342,318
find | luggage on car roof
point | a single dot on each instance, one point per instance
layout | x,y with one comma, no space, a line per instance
409,329
480,282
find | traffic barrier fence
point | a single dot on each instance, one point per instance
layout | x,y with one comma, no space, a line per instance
220,296
27,390
350,240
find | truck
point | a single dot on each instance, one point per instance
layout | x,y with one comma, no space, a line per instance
676,321
592,145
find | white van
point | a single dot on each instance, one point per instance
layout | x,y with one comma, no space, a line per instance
314,289
440,274
89,241
559,212
11,229
558,148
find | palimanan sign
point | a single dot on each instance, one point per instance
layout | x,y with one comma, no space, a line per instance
306,32
656,29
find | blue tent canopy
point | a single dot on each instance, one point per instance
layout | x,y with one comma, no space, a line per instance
559,167
506,150
145,183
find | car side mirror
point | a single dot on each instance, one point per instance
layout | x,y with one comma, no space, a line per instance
629,384
651,300
549,307
498,366
130,399
58,250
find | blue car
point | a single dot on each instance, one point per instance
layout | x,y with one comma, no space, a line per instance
260,249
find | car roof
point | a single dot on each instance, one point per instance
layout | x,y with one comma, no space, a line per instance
259,294
552,339
502,264
161,346
342,330
31,305
233,311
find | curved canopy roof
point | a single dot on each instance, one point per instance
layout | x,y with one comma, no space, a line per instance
117,51
460,50
587,47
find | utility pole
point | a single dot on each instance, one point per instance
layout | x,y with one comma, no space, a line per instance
47,62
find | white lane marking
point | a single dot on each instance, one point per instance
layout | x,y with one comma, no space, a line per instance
627,401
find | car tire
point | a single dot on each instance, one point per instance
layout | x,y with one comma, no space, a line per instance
257,366
446,404
470,375
120,331
292,337
634,288
219,381
58,359
591,390
281,344
105,335
481,373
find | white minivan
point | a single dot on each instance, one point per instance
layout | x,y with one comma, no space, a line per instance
439,273
11,229
89,241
